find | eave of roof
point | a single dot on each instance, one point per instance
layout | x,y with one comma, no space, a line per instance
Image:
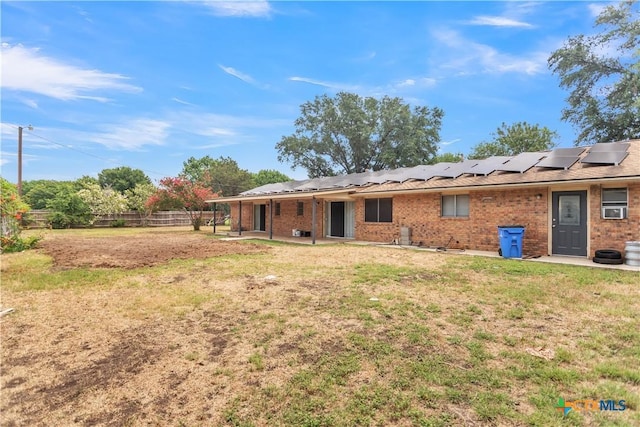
627,170
284,196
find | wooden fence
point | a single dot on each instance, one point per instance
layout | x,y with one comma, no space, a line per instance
38,219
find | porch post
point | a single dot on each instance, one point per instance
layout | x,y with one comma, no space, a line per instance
214,217
313,220
270,219
239,217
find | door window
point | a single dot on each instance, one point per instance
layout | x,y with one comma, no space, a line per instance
569,210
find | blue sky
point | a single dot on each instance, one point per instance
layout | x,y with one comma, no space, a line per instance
149,84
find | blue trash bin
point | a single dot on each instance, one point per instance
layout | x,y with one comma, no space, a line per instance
511,240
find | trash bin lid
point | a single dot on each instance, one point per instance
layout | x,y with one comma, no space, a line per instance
511,226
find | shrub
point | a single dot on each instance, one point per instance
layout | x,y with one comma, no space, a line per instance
11,210
18,244
118,223
59,220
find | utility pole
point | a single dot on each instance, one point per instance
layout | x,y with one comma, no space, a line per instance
20,158
20,161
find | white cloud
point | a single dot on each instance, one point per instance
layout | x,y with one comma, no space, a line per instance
27,70
237,74
180,101
453,141
84,14
131,135
30,103
330,85
366,57
469,57
420,83
499,21
216,131
596,9
253,8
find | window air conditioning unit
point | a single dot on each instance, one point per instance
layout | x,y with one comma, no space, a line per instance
614,212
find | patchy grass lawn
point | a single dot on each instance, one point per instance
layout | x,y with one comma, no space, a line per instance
252,334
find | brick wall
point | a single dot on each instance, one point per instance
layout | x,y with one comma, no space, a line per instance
487,210
247,216
286,221
614,233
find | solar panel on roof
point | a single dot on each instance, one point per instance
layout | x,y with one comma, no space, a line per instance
426,172
605,158
488,165
561,158
313,184
567,152
406,174
396,175
457,169
558,162
609,147
377,177
522,162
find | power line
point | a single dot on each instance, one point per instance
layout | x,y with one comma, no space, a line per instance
68,147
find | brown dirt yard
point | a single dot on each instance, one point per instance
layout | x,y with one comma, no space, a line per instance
179,328
72,251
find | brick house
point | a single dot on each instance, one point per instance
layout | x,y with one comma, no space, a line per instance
571,201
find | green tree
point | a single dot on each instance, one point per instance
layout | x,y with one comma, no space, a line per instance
268,176
38,192
68,210
223,175
85,181
602,73
509,140
103,201
122,178
137,200
350,134
447,157
191,195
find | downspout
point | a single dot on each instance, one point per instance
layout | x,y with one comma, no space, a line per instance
270,219
313,220
239,217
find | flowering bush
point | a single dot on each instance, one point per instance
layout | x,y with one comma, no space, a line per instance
185,194
12,209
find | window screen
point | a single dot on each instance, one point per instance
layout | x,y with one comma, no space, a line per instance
378,210
455,206
614,203
614,197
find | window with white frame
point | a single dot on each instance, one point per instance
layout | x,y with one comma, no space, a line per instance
614,203
455,206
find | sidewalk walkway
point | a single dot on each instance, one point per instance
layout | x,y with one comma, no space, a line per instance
554,259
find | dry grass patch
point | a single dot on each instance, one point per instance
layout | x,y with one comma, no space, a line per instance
338,335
